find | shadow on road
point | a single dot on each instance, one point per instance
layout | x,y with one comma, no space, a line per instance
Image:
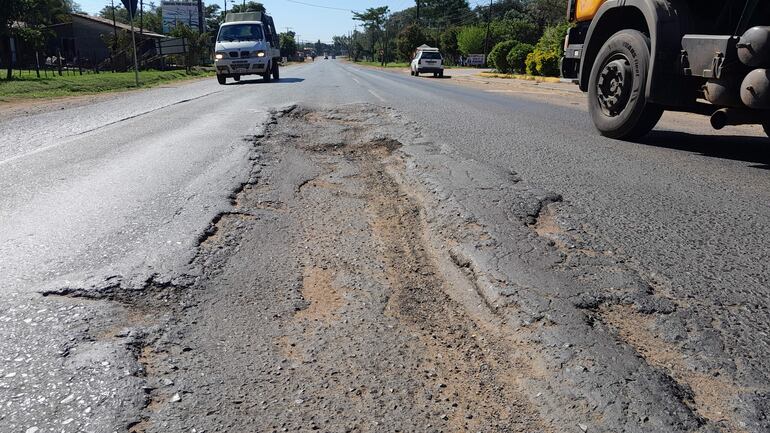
739,148
259,81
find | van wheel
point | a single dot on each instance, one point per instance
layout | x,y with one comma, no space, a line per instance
411,72
416,73
266,75
616,88
237,77
276,72
441,74
221,79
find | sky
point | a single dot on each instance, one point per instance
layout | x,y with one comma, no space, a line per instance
326,19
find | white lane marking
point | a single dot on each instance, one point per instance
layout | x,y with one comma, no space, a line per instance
355,79
376,95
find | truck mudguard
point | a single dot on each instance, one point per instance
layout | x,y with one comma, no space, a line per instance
663,23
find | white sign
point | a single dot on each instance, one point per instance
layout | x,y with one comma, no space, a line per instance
179,12
475,60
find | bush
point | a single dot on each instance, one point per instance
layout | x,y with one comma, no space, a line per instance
498,57
543,63
517,57
544,60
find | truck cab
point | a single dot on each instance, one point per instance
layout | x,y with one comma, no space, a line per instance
427,60
638,58
247,44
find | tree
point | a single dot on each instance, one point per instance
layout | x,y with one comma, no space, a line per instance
198,47
470,40
251,6
373,19
288,44
29,18
547,12
515,30
449,44
409,39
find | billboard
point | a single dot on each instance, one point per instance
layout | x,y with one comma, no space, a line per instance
475,60
176,12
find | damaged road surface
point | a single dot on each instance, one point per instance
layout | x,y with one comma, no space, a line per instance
339,265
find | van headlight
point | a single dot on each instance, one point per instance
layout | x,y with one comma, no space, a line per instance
219,56
260,54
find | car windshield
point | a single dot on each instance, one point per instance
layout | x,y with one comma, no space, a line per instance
430,55
240,32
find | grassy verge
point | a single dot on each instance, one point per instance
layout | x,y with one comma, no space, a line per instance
55,86
521,77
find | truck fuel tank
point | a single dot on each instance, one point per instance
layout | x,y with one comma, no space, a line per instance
755,89
754,47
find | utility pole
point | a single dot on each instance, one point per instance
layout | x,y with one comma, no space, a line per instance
141,17
131,13
486,39
115,37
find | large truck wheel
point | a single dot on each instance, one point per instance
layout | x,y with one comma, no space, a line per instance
276,72
222,79
616,88
237,78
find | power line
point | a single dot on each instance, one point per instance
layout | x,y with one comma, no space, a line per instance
318,6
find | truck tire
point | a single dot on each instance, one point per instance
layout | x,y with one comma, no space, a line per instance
266,75
276,72
221,79
616,88
237,78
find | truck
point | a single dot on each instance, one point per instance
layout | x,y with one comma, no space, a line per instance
638,58
247,44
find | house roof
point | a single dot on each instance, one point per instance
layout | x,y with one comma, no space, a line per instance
118,24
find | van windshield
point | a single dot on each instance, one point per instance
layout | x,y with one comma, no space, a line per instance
240,32
431,55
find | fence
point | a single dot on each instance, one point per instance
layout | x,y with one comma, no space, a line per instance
159,54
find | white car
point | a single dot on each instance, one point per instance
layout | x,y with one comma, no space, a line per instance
427,60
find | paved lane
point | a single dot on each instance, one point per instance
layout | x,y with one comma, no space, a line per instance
688,205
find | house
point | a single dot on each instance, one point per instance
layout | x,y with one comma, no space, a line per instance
82,37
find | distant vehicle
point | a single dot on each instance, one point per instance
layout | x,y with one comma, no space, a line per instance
637,58
247,44
427,60
334,56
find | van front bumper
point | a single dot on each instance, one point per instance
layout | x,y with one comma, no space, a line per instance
241,67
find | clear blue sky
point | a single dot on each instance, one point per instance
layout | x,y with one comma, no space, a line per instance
310,23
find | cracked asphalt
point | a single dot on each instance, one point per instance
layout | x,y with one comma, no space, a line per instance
351,249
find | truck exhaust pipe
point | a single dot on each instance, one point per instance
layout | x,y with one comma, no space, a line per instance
735,117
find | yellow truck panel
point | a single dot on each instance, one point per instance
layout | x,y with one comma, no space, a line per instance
586,9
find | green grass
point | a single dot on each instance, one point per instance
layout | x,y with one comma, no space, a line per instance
31,87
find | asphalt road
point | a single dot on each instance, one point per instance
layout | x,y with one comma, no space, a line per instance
127,185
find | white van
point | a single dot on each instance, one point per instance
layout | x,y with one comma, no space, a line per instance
427,60
247,44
